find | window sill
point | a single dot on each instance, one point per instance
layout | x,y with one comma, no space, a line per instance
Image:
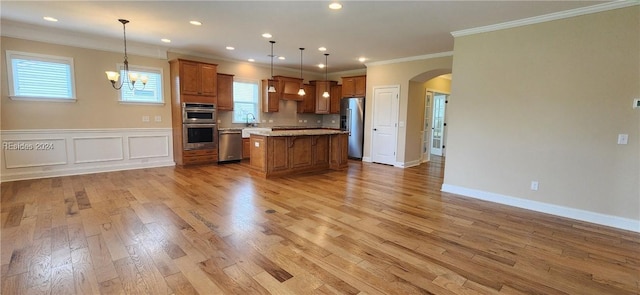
42,99
141,103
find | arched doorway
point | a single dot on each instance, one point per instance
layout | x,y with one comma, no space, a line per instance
429,93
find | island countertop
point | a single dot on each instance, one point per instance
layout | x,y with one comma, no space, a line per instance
301,132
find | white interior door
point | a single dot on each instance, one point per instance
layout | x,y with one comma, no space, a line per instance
437,124
385,125
426,127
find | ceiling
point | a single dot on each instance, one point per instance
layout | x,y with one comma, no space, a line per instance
377,30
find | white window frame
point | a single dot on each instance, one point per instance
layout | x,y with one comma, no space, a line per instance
10,55
258,104
136,68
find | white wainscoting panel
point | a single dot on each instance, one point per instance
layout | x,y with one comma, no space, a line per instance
148,146
29,154
34,152
98,149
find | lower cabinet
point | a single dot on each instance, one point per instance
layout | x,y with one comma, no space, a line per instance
199,156
283,155
246,148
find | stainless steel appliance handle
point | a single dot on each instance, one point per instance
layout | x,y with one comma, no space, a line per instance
349,121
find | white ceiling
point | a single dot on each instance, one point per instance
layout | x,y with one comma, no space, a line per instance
377,30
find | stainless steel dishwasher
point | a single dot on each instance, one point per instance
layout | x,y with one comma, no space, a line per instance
229,145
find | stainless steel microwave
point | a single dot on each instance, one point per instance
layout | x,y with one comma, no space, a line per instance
199,113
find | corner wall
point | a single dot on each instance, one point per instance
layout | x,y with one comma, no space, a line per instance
546,102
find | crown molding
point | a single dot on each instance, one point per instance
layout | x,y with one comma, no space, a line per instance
62,37
410,58
547,17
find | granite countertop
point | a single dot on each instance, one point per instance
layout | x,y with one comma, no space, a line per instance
302,132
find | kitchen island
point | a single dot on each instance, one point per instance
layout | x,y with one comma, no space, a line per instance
285,152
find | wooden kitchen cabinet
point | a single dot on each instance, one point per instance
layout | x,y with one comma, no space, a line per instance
194,82
308,104
355,86
246,148
225,92
322,104
197,81
270,100
320,152
338,158
286,155
336,95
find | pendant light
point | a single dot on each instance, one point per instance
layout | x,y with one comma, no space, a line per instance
301,91
132,77
272,89
326,81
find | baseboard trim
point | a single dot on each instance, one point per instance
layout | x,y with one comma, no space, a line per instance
577,214
84,170
407,164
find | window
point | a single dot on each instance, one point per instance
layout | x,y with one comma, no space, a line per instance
151,93
245,101
40,77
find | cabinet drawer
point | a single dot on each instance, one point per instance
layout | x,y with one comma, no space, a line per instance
200,159
193,153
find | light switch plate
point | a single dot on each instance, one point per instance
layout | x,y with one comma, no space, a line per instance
257,144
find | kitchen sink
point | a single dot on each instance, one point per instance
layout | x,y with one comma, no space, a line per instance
247,131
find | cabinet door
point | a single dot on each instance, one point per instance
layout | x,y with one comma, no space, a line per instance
321,151
322,103
246,148
300,152
189,78
225,92
277,153
209,80
336,95
348,87
270,100
360,87
259,152
338,151
308,105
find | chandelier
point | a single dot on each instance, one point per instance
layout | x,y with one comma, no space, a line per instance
131,77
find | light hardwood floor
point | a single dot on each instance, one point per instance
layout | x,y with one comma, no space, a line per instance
371,229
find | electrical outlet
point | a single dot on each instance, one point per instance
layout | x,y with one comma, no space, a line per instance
299,121
145,118
270,121
623,138
534,185
158,118
305,121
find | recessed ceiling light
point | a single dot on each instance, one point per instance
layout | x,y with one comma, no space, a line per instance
230,48
362,59
195,23
251,60
281,58
322,48
321,66
50,19
266,35
335,6
165,40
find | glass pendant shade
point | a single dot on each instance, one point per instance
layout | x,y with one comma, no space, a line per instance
325,94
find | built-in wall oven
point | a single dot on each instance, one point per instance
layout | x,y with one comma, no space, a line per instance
199,128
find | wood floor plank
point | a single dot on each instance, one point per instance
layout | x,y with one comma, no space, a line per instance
370,229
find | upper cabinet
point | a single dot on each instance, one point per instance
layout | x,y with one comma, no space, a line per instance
323,104
355,86
270,100
288,87
336,95
225,92
197,81
308,103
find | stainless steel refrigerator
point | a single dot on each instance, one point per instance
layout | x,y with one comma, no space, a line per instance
352,120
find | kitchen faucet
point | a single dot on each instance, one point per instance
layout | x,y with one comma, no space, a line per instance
254,120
